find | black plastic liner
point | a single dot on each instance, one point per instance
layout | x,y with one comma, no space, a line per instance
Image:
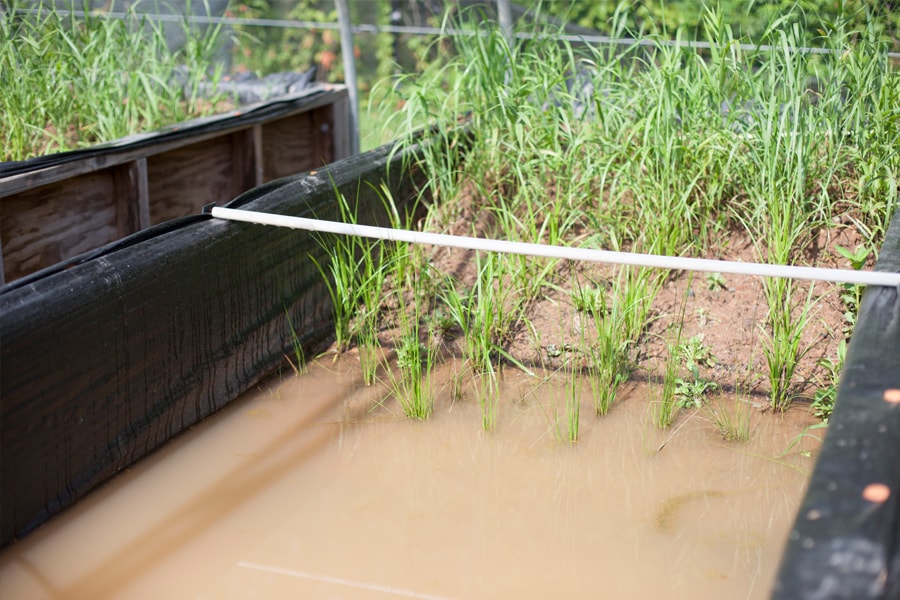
110,355
246,87
845,542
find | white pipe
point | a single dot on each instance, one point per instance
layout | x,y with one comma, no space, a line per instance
564,252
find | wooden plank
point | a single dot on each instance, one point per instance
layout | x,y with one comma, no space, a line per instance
143,183
143,194
258,178
130,196
243,158
289,147
181,181
322,135
48,224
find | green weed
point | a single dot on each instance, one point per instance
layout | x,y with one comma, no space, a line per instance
299,363
733,422
782,345
653,148
70,82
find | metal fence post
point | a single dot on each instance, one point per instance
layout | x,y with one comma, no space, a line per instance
349,71
505,15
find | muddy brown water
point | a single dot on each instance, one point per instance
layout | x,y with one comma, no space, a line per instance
300,490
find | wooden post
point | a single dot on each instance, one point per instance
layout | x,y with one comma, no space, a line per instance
131,197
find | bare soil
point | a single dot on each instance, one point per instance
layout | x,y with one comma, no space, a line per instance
730,319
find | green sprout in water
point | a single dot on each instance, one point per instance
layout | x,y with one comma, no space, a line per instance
825,396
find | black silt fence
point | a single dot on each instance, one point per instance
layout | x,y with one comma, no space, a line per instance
106,357
845,542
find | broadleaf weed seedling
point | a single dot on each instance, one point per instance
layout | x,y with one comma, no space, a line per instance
692,390
851,295
825,396
716,282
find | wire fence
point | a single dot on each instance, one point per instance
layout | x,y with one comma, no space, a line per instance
370,28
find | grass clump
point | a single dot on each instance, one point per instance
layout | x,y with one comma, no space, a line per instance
733,422
668,150
411,384
70,82
648,148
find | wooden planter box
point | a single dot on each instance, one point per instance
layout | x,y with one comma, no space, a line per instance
56,207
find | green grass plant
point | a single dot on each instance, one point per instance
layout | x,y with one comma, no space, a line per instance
665,405
573,396
485,313
669,400
661,149
369,347
488,398
355,275
608,361
783,345
298,364
70,82
733,422
412,383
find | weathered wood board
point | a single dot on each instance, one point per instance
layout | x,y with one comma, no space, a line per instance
83,200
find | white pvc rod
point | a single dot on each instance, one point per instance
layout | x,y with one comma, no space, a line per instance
563,252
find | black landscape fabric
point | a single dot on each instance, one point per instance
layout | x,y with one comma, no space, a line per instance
845,542
109,356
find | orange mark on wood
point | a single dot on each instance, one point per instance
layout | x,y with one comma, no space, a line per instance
892,396
876,492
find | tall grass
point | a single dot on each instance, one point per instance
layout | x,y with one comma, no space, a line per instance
70,81
412,382
619,319
668,150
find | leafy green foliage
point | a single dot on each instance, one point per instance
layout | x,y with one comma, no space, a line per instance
70,82
825,396
267,50
749,20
